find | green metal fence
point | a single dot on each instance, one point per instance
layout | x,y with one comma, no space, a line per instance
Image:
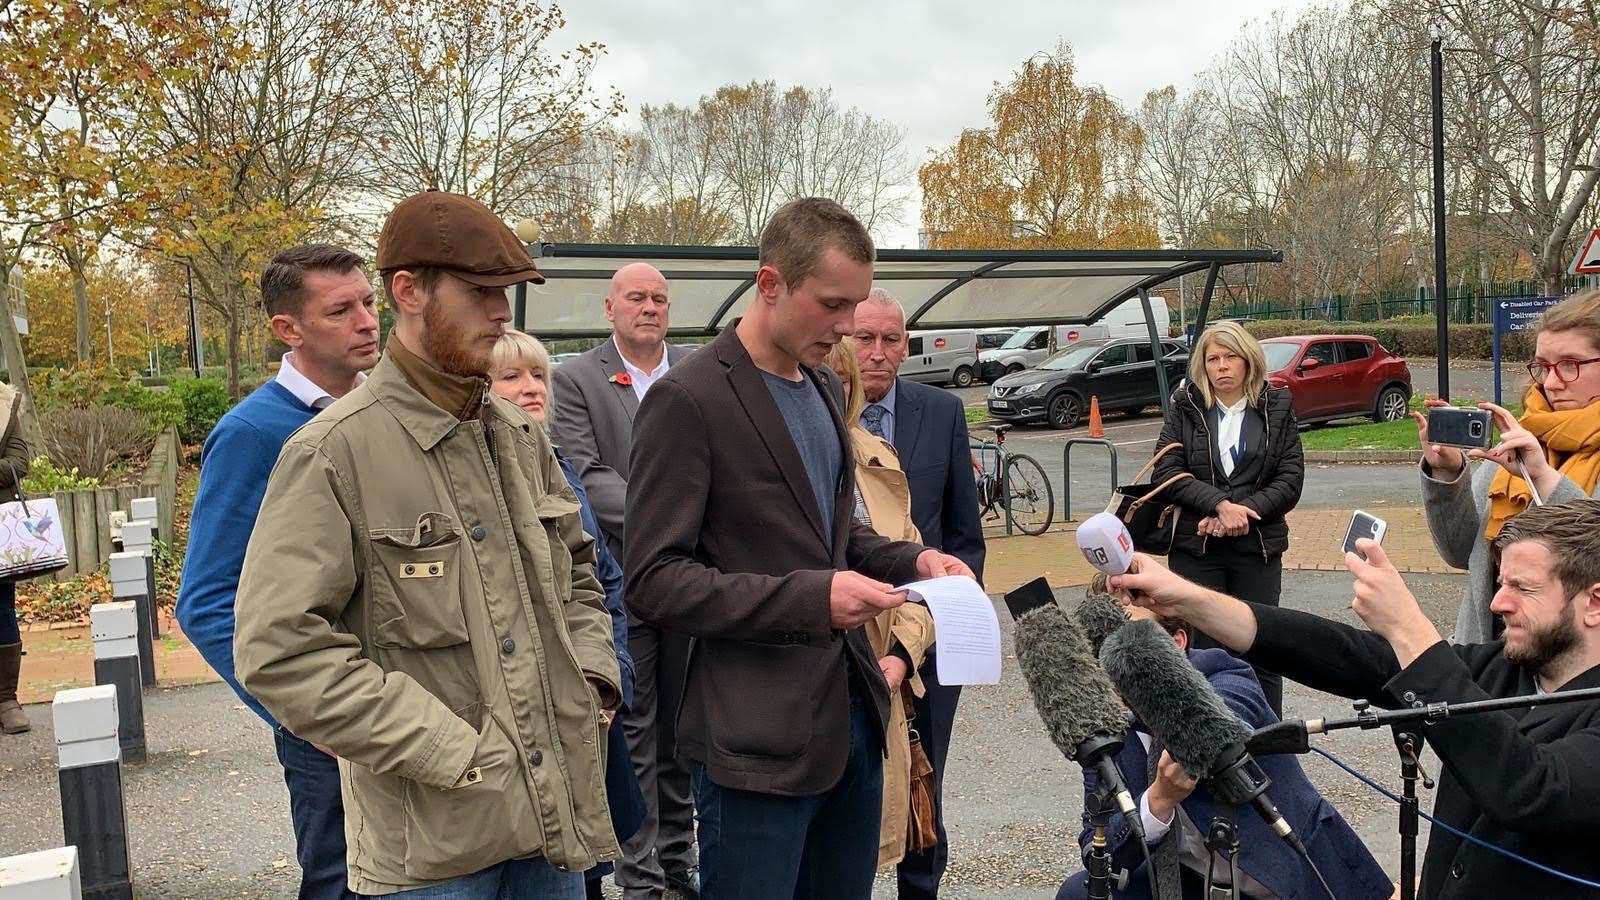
1470,307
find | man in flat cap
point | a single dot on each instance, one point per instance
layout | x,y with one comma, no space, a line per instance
418,596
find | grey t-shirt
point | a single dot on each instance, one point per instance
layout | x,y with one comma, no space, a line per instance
811,427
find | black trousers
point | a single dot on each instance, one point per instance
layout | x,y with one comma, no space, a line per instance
1235,567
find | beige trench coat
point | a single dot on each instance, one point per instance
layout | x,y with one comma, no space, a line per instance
887,496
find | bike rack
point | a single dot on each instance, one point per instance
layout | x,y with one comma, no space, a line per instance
1066,471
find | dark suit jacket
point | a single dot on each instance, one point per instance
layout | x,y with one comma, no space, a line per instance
930,435
593,427
1526,780
1339,854
725,543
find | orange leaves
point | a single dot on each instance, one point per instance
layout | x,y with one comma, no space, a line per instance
1054,168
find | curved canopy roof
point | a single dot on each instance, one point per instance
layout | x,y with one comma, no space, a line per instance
710,286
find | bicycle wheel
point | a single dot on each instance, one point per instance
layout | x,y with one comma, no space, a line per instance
1032,500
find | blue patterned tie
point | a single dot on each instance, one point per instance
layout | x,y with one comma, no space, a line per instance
872,418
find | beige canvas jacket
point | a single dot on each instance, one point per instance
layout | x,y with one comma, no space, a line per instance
418,596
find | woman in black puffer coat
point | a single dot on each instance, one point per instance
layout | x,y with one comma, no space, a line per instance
1242,445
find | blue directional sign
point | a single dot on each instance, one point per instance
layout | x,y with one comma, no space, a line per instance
1515,314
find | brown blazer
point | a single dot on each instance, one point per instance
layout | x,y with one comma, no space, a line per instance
887,497
725,543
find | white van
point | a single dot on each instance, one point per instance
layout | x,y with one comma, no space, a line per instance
1031,345
943,356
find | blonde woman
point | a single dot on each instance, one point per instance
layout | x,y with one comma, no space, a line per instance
900,636
1242,445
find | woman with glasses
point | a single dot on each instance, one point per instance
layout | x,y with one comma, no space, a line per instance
1555,444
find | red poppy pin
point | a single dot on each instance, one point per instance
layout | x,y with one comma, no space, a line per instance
622,378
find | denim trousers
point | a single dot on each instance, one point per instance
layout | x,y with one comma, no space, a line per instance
517,879
820,846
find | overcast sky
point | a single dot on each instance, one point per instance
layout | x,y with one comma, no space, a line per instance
929,66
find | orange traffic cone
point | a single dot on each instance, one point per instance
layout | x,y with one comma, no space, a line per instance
1097,429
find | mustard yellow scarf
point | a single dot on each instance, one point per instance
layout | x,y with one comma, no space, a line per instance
1571,440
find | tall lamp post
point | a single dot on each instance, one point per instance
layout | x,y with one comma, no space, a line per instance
1440,276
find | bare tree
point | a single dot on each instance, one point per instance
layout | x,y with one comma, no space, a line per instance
471,97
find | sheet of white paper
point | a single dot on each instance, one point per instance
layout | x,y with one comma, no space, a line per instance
965,629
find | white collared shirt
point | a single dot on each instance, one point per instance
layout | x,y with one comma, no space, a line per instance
1228,429
304,389
642,380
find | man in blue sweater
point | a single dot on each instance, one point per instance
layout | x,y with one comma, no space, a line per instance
320,303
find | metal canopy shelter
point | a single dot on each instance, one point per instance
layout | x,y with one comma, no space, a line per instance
711,286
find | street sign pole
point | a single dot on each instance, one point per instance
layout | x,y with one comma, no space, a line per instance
1441,277
1510,314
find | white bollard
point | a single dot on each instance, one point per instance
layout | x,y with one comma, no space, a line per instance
147,509
138,536
45,875
93,817
115,629
130,581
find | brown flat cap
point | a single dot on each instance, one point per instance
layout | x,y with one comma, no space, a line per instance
451,231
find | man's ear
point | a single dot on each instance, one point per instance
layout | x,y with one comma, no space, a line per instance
769,283
405,292
1589,610
287,330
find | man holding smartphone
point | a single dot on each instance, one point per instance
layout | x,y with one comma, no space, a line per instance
1523,780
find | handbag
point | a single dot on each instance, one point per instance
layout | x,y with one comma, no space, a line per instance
1152,523
31,542
922,821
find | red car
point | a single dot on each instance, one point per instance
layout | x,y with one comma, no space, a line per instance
1338,376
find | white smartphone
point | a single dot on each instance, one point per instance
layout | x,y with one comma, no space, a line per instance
1364,525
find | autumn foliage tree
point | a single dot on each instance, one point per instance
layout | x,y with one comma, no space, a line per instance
1055,167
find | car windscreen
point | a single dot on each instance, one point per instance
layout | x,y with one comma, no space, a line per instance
1071,358
1279,355
1020,339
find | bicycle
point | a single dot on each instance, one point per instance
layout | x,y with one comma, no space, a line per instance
1015,487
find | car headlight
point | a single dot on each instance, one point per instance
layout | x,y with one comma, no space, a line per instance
1029,389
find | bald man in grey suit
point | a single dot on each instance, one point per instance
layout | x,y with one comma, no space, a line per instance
595,398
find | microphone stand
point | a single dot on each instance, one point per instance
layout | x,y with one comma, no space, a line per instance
1294,736
1410,746
1097,856
1223,838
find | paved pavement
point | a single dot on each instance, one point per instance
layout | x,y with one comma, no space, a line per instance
209,812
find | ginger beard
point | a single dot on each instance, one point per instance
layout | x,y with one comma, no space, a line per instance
453,348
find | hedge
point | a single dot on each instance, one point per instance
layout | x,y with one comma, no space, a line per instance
1408,337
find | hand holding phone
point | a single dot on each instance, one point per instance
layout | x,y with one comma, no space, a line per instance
1455,427
1364,525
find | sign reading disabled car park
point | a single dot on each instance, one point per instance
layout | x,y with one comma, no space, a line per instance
1514,314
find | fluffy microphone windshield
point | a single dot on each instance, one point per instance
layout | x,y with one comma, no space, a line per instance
1099,614
1070,689
1170,696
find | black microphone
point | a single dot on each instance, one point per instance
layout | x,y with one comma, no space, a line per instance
1099,614
1180,708
1074,697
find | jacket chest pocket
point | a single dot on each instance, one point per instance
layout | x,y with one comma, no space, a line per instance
416,585
418,624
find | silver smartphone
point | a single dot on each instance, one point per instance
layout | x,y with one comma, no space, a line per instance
1364,525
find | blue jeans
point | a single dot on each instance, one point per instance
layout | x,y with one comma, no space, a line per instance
773,847
517,879
317,809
